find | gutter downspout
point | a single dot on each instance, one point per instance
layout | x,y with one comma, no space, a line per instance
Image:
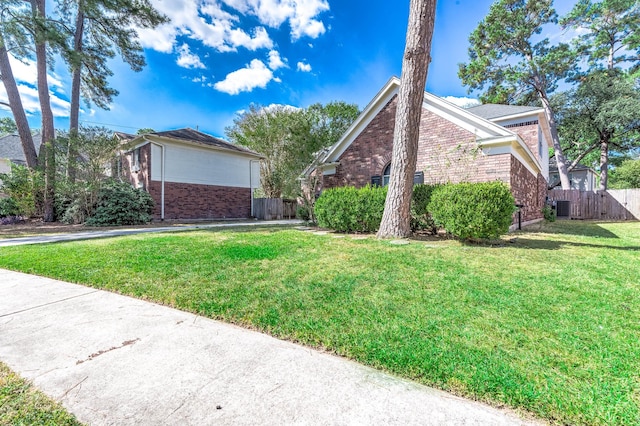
162,168
251,182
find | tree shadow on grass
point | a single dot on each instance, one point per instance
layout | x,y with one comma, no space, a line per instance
571,227
525,243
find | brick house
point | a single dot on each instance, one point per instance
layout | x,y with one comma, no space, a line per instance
482,143
189,174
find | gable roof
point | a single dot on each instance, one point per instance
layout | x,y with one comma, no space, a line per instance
489,135
190,136
11,147
497,111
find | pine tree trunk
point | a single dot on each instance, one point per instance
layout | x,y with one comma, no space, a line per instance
561,162
417,55
48,130
15,103
604,162
74,114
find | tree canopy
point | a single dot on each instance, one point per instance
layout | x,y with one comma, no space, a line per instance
511,63
289,138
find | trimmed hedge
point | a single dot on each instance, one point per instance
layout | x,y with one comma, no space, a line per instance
473,210
420,216
465,210
347,209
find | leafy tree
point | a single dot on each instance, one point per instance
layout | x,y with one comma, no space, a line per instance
626,175
99,29
602,114
608,31
609,41
7,125
144,131
507,56
396,219
289,138
15,38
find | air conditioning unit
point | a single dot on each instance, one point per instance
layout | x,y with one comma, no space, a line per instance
563,209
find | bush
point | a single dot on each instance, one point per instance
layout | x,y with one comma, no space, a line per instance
121,204
26,188
9,207
473,210
347,209
549,213
420,216
302,212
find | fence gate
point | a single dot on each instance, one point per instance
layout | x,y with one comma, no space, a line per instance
274,208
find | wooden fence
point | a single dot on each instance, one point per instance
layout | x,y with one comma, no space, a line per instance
614,204
274,208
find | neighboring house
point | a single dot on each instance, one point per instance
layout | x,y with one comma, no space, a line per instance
582,177
11,151
191,175
478,144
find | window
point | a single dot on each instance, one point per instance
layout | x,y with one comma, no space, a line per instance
385,175
383,180
135,161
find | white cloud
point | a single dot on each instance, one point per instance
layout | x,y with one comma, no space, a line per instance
461,101
26,76
256,74
31,102
304,67
301,14
25,71
200,79
202,21
275,61
186,59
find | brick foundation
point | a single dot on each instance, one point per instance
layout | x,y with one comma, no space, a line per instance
192,201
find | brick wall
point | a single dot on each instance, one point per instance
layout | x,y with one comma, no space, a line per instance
446,153
527,189
192,201
529,135
143,176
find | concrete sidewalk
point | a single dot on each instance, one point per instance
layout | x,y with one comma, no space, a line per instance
115,360
75,236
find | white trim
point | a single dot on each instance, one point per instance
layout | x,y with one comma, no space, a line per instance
376,105
461,117
513,146
533,112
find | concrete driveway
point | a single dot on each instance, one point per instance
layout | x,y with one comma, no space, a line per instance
115,360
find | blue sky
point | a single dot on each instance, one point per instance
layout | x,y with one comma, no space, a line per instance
216,57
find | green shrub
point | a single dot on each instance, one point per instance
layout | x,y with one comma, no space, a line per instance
121,204
26,188
549,213
302,212
347,209
9,207
420,216
473,210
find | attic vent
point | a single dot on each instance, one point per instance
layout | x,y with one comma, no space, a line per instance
526,123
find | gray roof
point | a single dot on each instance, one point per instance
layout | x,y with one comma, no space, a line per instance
493,111
11,147
190,135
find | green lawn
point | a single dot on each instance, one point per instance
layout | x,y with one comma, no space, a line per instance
21,404
548,323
